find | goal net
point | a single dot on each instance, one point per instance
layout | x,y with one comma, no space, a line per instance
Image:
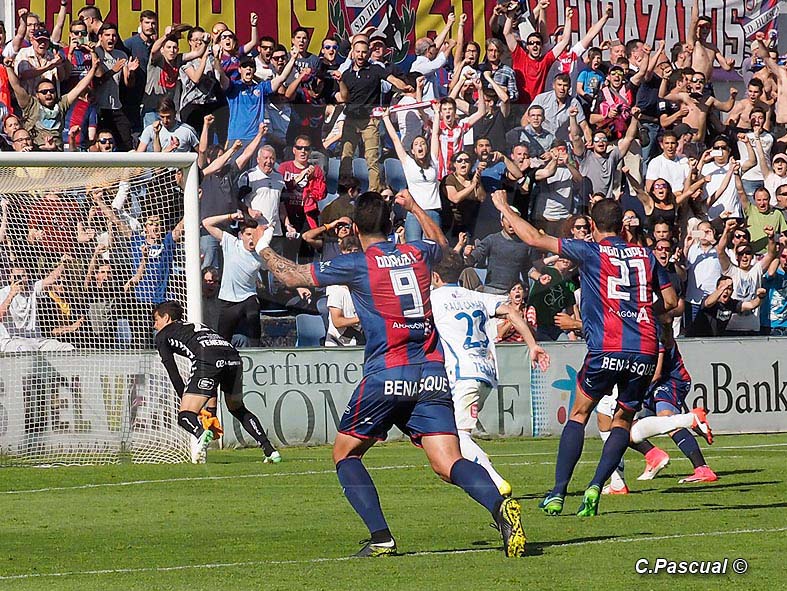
88,244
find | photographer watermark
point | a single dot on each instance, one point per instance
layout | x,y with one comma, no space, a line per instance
738,566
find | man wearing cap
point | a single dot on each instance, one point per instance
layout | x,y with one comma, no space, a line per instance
246,97
39,62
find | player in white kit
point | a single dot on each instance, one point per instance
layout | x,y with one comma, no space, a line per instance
464,322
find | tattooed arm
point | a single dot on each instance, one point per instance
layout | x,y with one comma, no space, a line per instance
285,270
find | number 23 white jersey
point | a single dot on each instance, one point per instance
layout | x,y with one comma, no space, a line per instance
464,322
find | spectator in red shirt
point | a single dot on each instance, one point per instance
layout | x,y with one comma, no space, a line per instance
55,225
304,186
532,66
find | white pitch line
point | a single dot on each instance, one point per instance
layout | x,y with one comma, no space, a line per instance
161,569
273,475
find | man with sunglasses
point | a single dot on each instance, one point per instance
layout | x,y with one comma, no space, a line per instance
532,66
304,186
40,61
265,47
44,113
721,192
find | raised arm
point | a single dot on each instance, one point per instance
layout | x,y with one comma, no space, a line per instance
430,228
501,92
19,91
691,39
60,21
285,73
721,245
530,235
575,132
401,153
508,33
538,357
565,38
250,150
480,105
446,30
84,83
459,48
631,133
772,251
211,224
596,29
252,44
224,159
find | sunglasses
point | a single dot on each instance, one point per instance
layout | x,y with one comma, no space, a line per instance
278,57
46,91
534,43
267,47
462,161
741,253
79,33
721,147
226,36
581,227
106,141
739,236
299,148
600,140
660,185
662,248
342,226
326,46
698,80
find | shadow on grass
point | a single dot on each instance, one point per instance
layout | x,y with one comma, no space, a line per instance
704,507
690,487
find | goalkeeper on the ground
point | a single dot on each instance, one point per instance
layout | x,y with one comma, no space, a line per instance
214,363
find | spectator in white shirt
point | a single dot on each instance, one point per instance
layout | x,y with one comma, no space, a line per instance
167,134
431,56
668,165
344,326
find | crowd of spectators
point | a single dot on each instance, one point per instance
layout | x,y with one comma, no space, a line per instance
289,137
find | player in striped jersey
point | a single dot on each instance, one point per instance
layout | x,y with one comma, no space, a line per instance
404,381
619,316
463,320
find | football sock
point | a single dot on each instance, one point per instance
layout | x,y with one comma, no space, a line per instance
650,426
568,453
190,422
473,452
613,450
618,478
360,491
475,481
254,428
689,446
642,447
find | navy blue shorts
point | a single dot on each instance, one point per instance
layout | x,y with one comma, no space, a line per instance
630,372
669,395
415,398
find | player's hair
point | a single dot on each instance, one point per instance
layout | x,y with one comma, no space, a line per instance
608,216
199,30
721,278
450,266
674,77
301,30
477,46
757,83
90,12
108,27
166,105
372,214
759,110
148,14
347,182
246,224
212,270
267,39
705,18
349,242
670,133
676,50
496,42
563,78
593,52
535,108
171,308
302,137
535,35
631,47
447,100
43,81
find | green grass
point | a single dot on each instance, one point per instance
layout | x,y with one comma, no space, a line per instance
289,526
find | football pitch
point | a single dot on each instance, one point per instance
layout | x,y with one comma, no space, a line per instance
236,523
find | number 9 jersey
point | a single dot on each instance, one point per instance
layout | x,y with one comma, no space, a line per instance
619,281
389,285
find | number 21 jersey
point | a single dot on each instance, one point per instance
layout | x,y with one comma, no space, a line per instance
389,285
619,281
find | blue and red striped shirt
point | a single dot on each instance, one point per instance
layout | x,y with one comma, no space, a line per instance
619,281
389,285
672,366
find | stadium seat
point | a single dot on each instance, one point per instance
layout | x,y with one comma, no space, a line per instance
322,308
394,175
481,274
361,172
311,330
332,176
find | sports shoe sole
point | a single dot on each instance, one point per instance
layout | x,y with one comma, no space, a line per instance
701,426
511,513
589,506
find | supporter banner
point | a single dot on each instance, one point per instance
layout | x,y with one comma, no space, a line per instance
404,21
300,395
88,407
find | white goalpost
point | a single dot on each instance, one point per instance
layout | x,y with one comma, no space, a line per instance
89,242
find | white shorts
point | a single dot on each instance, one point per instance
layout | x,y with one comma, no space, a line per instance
608,404
24,344
469,397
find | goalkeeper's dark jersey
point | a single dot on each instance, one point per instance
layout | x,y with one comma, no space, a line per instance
207,351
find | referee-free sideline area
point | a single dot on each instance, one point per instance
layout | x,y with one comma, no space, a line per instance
235,522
